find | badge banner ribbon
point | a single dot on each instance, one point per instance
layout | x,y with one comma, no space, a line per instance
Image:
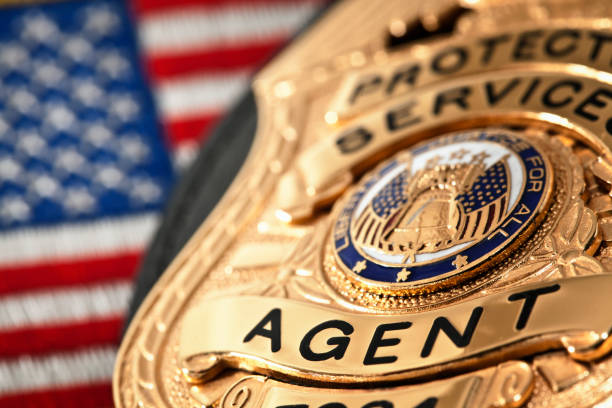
291,337
507,385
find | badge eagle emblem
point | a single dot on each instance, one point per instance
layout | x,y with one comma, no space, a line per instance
442,207
437,209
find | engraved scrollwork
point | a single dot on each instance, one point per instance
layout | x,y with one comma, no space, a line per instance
566,248
294,275
245,393
507,385
510,386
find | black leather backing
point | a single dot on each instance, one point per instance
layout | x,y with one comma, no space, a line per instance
199,190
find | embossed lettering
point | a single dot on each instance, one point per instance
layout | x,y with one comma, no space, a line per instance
494,96
524,47
535,160
489,45
460,340
535,176
353,140
378,341
524,210
562,43
599,40
550,98
402,116
449,61
379,404
535,82
593,100
530,297
273,333
457,96
341,343
368,85
405,75
430,402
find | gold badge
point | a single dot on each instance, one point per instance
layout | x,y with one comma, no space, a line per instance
424,222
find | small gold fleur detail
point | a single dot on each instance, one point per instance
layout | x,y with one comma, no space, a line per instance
402,275
479,158
460,261
433,161
359,266
459,154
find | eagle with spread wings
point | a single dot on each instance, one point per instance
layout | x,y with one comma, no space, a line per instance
435,208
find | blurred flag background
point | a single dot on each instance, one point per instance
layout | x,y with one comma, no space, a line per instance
102,103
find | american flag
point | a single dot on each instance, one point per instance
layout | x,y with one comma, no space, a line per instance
102,103
486,202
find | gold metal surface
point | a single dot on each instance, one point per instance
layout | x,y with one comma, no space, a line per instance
506,385
424,220
521,321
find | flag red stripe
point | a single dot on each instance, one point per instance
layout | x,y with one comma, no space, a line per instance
191,130
58,273
145,7
36,340
220,58
76,396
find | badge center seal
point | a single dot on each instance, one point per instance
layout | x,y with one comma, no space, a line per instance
442,211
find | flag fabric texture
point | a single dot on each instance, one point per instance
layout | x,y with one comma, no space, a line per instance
102,103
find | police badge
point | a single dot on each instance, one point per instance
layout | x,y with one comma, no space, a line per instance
424,220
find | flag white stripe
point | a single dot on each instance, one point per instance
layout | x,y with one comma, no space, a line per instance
62,369
64,305
197,95
199,27
104,237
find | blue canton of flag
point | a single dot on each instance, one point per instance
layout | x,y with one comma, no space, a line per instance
78,133
486,202
488,188
391,196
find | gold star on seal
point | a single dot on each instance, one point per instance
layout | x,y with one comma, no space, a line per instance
359,266
460,261
402,275
430,246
